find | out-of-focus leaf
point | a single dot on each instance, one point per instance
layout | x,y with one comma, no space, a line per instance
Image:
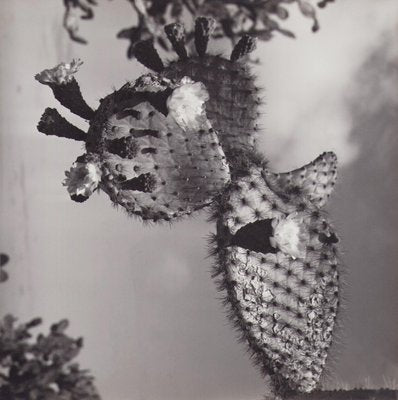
309,11
176,10
282,13
3,276
60,326
306,9
287,33
265,35
4,258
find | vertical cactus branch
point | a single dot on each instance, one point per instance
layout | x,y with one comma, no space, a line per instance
147,55
65,88
204,27
176,35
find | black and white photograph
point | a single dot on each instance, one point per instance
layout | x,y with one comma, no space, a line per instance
198,200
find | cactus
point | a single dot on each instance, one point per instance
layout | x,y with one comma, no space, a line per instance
184,137
162,147
234,98
277,261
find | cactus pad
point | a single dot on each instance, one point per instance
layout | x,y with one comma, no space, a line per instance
160,157
277,258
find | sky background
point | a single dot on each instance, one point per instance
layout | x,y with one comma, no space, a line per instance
142,296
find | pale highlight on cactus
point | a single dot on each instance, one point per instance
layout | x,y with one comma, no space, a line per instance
183,138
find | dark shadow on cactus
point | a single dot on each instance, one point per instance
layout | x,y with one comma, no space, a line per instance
255,236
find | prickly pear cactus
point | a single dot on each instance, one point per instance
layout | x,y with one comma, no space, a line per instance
184,137
278,263
161,147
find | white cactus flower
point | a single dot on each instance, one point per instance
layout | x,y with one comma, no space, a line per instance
187,104
290,235
82,179
60,74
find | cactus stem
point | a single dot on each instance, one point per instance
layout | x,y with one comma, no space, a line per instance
53,124
147,55
143,183
245,46
70,96
176,35
204,27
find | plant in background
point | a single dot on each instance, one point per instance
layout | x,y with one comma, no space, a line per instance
41,369
257,18
184,137
3,273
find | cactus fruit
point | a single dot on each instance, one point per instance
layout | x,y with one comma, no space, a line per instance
162,147
278,262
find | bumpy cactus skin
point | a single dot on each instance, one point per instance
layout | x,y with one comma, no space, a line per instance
156,166
234,98
164,146
278,263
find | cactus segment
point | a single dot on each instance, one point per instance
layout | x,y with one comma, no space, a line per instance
316,179
53,124
204,27
233,101
278,262
176,35
65,87
147,55
245,46
158,165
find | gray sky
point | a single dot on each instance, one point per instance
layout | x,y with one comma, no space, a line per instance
142,296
